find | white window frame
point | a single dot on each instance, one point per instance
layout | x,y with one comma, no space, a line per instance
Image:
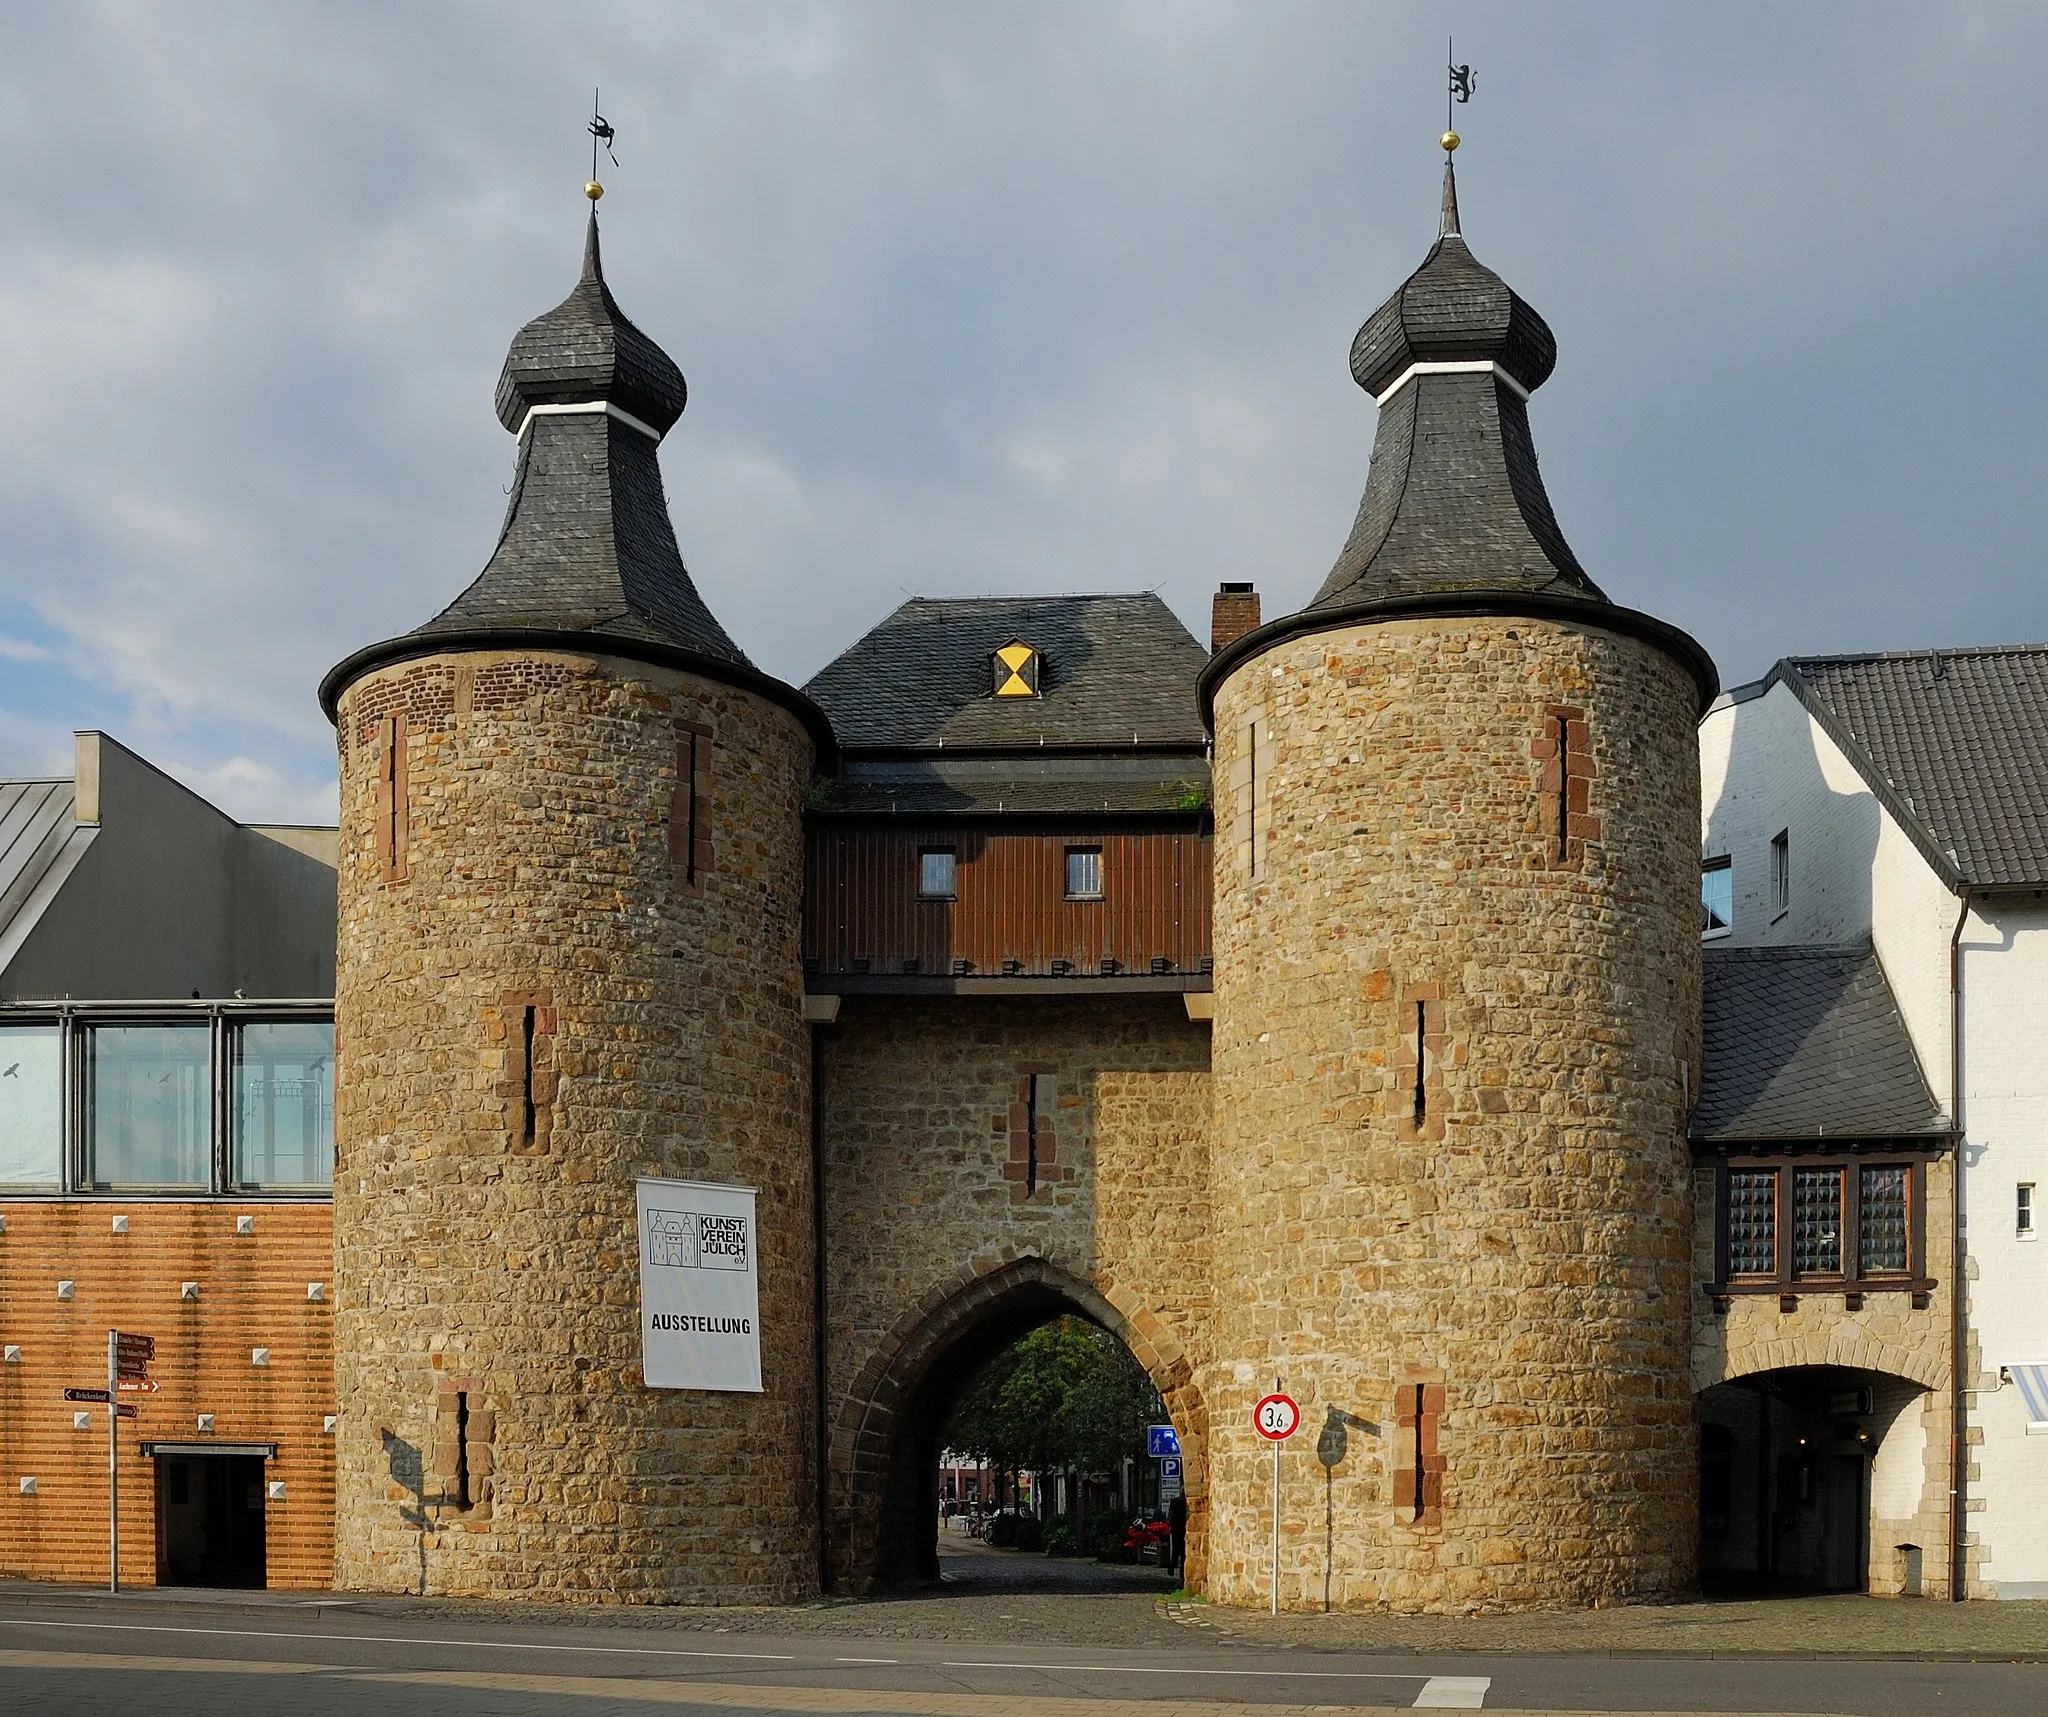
1781,874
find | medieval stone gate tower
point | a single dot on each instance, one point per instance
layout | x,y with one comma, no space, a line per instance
569,891
1457,974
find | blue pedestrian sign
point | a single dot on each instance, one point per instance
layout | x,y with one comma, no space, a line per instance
1160,1441
1169,1466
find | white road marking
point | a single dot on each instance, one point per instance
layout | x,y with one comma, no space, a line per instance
407,1639
864,1660
1453,1692
1177,1669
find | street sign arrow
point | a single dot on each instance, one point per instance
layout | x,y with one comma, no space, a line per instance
85,1395
139,1385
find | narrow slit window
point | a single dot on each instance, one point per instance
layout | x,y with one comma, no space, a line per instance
1421,1492
1421,1064
1781,873
462,1496
2023,1210
1031,1135
391,797
689,822
530,1111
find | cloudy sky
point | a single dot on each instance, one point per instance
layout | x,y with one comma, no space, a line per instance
975,298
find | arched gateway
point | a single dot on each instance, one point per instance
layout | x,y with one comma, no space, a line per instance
885,1450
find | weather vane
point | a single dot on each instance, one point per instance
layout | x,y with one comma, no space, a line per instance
1458,90
601,133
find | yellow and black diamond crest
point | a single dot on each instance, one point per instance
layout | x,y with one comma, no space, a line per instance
1016,671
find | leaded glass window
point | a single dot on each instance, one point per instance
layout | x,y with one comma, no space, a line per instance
1753,1222
1817,1222
1882,1221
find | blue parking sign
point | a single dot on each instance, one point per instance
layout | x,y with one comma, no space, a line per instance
1169,1466
1161,1441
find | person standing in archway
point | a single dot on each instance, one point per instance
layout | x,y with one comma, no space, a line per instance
1177,1534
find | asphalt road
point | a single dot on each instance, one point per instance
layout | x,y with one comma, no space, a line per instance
136,1656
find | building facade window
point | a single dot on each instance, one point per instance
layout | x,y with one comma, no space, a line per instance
935,873
1781,873
216,1100
1717,898
31,1106
148,1105
1787,1224
689,812
283,1084
1084,873
2023,1210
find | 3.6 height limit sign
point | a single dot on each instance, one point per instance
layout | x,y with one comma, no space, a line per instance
1276,1418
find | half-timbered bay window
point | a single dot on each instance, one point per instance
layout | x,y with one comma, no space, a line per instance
1797,1224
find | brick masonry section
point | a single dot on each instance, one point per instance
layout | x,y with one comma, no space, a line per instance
538,1013
253,1292
1517,1240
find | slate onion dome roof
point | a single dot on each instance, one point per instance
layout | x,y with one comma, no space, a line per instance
1455,519
587,556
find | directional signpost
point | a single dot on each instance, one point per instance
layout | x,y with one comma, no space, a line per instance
1276,1418
128,1358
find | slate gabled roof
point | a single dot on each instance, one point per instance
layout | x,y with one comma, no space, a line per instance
1806,1043
1116,670
1955,745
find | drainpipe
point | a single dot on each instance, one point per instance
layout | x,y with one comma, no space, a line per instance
823,1500
1959,1426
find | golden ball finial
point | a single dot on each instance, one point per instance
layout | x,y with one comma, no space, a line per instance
593,190
1450,141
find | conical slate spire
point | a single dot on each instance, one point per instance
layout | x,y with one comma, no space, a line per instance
1453,502
587,544
1446,224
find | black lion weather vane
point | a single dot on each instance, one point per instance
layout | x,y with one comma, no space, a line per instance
1461,84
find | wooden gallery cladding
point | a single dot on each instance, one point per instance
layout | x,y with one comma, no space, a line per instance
1010,913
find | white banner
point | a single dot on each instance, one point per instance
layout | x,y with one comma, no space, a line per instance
700,1295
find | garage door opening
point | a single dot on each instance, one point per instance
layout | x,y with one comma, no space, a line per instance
209,1520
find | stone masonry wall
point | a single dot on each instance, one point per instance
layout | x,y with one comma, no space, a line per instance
265,1288
487,1327
1456,1037
931,1224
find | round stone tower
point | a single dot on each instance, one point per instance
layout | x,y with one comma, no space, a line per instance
1457,1005
571,871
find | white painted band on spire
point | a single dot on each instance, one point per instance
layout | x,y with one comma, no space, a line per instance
1463,367
591,409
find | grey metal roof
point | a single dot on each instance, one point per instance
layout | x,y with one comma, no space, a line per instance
1955,745
1806,1043
39,836
1117,671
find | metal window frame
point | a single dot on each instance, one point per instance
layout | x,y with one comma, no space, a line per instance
75,1019
1724,863
952,871
1068,851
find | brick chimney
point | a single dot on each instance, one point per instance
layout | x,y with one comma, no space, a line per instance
1233,613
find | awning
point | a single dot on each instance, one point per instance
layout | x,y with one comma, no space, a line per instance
265,1451
2033,1382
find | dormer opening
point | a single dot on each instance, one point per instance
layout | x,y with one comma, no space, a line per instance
1014,671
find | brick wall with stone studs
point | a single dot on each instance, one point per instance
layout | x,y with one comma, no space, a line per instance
1472,1273
237,1297
537,1001
931,1209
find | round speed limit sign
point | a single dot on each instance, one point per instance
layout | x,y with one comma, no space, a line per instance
1276,1418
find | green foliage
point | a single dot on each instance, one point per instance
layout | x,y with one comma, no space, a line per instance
1106,1529
1067,1397
1001,1531
1059,1535
1029,1533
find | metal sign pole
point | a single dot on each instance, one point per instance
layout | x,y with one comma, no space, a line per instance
113,1461
1276,1528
